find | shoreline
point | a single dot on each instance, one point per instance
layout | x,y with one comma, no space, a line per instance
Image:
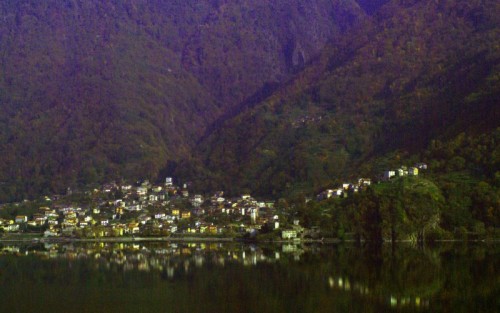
41,239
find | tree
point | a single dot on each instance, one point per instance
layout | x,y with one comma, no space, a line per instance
422,201
392,213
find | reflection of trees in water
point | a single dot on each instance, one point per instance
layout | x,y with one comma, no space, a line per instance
312,278
400,277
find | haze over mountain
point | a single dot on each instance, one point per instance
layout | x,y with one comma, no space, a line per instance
255,95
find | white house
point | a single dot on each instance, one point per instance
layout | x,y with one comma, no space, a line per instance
21,219
160,216
141,191
389,174
364,182
421,166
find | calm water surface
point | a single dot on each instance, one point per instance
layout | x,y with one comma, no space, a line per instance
215,277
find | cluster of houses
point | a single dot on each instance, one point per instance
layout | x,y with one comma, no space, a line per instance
164,209
404,171
152,210
345,189
362,183
305,120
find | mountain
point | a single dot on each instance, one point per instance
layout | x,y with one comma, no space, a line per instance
245,45
97,90
413,72
371,6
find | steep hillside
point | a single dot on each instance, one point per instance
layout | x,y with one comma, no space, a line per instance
371,6
418,70
97,90
244,45
85,96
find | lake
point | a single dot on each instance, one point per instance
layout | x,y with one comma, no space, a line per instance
234,277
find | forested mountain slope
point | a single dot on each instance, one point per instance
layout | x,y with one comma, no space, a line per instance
416,71
98,90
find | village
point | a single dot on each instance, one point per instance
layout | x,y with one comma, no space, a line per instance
168,210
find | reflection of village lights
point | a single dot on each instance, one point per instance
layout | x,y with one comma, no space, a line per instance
170,272
141,257
347,285
199,261
221,262
394,301
407,301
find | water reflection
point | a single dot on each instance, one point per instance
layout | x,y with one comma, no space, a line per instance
249,278
172,257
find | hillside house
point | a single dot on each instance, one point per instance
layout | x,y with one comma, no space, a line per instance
389,174
197,200
142,191
421,166
21,219
413,171
132,228
362,182
157,189
143,219
11,227
159,216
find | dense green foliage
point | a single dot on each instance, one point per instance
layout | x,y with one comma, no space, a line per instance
247,96
416,71
457,197
92,91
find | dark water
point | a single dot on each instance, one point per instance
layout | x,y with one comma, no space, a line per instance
244,278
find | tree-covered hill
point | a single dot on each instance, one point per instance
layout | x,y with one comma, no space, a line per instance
244,45
98,90
273,97
415,71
